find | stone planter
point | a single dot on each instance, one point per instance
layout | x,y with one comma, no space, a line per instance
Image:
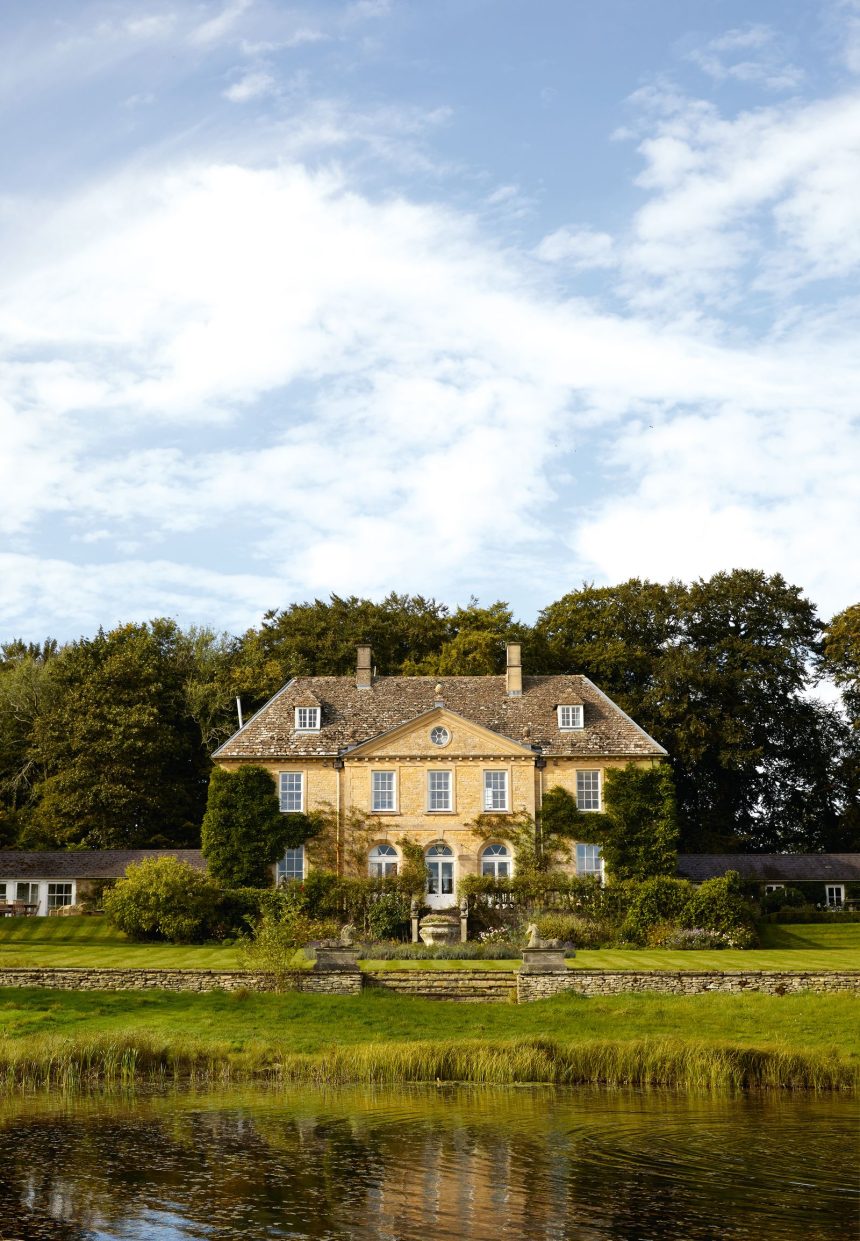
439,929
543,961
339,958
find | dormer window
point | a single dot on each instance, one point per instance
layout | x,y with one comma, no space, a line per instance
570,717
307,719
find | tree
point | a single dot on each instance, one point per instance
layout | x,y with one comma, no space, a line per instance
244,831
841,658
124,754
476,643
638,830
25,686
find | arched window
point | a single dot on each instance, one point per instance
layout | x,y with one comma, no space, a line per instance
382,860
496,861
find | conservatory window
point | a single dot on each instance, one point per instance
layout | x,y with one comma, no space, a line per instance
59,894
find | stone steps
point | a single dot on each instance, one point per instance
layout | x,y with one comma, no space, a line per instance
474,986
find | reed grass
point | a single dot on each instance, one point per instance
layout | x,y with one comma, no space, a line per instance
135,1057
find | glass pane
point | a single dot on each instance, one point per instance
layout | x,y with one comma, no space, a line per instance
447,878
502,870
433,879
488,868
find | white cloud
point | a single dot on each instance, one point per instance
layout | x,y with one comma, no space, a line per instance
770,68
437,381
251,86
214,29
581,247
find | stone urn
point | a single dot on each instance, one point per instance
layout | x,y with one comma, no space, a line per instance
439,928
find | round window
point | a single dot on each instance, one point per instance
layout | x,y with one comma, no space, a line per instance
440,736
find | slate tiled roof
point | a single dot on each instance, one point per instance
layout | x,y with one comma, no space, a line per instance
773,867
351,716
84,863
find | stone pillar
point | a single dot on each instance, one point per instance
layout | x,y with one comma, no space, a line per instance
464,920
543,961
413,917
342,958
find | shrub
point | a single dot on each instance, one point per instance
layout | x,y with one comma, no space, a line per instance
572,929
668,935
657,900
163,898
718,905
274,947
782,898
389,916
498,950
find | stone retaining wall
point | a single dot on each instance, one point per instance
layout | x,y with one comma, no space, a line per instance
347,982
467,985
687,982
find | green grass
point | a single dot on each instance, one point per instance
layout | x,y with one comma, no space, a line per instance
91,942
704,1040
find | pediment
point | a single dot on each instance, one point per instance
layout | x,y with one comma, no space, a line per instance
467,740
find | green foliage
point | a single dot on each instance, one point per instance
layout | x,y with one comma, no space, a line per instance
244,830
576,930
841,657
660,899
163,898
782,898
115,733
389,916
638,831
719,905
274,947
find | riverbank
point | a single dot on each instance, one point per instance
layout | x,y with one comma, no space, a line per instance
696,1042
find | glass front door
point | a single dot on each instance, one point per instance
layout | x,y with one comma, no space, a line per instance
440,877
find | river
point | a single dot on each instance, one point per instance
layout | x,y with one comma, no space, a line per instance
427,1162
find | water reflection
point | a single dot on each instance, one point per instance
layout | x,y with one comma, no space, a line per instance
543,1163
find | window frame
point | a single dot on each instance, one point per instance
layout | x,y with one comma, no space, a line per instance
307,728
300,809
282,877
493,860
505,774
576,707
590,771
51,901
587,845
387,863
834,887
384,771
449,773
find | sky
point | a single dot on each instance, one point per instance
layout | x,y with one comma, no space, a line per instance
447,297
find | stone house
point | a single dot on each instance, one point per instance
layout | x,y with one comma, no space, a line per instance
423,757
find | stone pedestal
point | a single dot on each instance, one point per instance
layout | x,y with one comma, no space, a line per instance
543,961
342,958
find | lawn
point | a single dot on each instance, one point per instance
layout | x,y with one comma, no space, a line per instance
91,942
311,1023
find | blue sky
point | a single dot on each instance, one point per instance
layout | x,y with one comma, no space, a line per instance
462,297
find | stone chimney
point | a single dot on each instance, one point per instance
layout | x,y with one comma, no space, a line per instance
363,669
515,670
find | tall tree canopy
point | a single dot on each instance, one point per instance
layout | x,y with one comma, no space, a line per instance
124,754
106,740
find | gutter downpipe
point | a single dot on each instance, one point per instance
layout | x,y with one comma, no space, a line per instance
338,767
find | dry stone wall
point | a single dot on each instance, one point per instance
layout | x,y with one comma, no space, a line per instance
465,985
534,986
